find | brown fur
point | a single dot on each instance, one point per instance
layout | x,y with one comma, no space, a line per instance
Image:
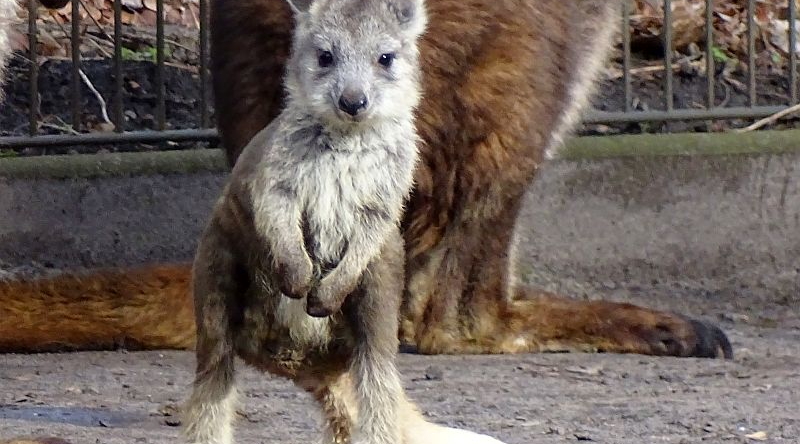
501,80
139,309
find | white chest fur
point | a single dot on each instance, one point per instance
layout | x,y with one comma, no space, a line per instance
355,175
336,187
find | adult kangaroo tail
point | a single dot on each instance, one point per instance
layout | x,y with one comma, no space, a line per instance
137,308
151,308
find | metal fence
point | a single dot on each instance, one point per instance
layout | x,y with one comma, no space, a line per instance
711,111
204,130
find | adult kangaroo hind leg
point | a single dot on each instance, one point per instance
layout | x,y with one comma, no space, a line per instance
523,88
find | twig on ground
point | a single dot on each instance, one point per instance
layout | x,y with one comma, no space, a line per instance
103,108
66,125
769,119
99,48
21,56
96,23
180,45
97,41
727,97
691,60
737,85
65,128
190,68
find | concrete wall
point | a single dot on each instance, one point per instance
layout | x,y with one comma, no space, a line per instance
713,227
722,227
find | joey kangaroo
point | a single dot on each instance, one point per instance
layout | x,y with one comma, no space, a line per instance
504,81
299,271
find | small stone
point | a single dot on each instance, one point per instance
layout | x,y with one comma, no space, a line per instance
590,371
433,373
611,285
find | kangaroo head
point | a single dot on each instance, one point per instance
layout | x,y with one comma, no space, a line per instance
355,60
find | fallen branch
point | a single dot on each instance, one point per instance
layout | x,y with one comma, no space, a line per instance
63,128
103,108
769,119
693,61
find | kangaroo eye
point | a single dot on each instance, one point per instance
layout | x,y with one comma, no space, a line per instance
386,59
325,59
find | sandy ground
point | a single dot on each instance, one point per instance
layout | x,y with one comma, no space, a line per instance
119,397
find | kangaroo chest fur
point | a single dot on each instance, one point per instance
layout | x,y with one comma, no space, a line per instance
343,178
340,181
337,188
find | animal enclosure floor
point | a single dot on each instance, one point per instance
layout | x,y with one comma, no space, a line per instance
117,397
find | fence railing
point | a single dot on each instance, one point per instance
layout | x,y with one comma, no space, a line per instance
711,109
74,130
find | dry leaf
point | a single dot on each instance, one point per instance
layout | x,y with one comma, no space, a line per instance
19,40
147,18
94,12
128,18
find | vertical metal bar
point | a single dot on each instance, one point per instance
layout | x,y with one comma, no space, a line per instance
204,62
76,65
119,118
626,52
792,51
710,69
33,103
668,54
751,52
161,107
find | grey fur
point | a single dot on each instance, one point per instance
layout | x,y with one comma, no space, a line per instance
308,224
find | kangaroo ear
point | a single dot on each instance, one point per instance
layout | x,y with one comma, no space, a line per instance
300,6
404,10
410,14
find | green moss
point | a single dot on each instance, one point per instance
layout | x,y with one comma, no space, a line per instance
756,142
113,164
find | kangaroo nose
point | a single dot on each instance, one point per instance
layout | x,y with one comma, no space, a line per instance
352,102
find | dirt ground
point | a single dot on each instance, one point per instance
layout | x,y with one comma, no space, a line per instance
119,397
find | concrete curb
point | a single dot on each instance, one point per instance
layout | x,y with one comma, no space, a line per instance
91,166
704,144
579,148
